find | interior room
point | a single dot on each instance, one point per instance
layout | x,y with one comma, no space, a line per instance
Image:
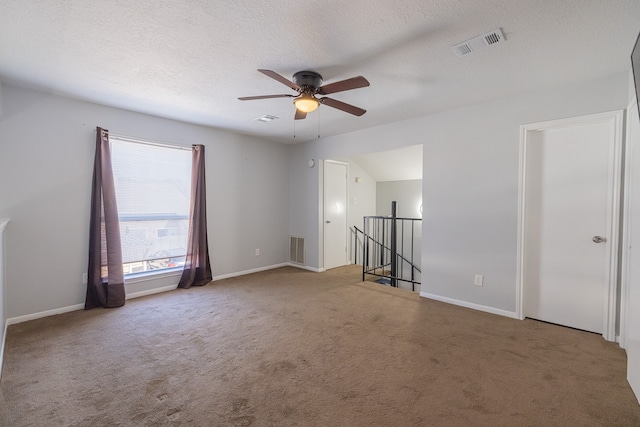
492,123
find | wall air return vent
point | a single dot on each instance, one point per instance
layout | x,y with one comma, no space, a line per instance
478,43
296,250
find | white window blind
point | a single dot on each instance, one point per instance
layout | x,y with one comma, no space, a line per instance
153,185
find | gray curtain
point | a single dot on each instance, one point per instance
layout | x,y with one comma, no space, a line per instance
197,268
105,279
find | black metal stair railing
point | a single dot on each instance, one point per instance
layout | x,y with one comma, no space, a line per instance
389,247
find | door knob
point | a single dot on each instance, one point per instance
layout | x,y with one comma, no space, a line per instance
328,222
598,239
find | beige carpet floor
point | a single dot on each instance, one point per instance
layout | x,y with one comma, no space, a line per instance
293,348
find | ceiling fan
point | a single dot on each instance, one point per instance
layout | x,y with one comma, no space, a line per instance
308,85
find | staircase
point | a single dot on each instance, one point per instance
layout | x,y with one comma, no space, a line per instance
389,248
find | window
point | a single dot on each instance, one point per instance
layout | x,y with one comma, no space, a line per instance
153,186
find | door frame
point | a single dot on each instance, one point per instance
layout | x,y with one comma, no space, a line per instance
632,113
614,183
346,211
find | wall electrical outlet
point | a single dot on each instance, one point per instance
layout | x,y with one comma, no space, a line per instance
257,252
84,278
478,280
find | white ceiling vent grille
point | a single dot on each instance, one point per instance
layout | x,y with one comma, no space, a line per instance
478,43
267,118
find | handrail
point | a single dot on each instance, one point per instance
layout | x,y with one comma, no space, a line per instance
391,217
383,246
385,242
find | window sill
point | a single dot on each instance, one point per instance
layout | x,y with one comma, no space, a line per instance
152,275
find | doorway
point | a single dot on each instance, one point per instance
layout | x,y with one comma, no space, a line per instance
569,221
335,214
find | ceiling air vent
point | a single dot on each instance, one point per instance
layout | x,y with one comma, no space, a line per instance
478,43
266,118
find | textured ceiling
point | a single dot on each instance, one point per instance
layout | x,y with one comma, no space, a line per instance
191,59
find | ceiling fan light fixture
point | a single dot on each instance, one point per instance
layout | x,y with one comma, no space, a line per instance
306,103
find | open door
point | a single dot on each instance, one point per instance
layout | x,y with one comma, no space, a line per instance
569,238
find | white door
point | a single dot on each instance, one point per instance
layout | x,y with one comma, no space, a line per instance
335,214
570,221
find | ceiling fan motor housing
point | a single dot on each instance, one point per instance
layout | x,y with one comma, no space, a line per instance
307,79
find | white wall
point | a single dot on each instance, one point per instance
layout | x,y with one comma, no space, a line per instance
362,202
470,176
407,194
362,195
632,243
47,145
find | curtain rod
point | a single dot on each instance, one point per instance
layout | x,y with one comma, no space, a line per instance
148,141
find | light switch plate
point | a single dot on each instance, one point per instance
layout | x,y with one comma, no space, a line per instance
478,280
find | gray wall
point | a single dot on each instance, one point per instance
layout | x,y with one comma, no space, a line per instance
3,312
407,194
46,159
631,245
362,195
470,191
362,202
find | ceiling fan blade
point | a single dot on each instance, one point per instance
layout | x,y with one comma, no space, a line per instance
342,85
351,109
281,79
300,115
250,98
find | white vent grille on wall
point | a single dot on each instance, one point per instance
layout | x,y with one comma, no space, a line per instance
296,250
478,43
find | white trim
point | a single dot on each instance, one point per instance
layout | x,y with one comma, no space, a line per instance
251,271
75,307
305,267
4,338
3,225
143,141
151,291
575,121
148,276
613,213
320,211
471,305
615,177
53,312
46,313
625,266
522,182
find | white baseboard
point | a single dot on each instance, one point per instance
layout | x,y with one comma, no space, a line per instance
305,267
268,267
4,338
471,305
33,316
251,271
151,291
46,313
